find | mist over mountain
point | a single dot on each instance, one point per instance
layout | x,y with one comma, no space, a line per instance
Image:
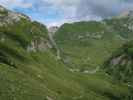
104,8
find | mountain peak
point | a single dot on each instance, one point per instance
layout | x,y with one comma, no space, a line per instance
128,13
2,8
53,29
9,17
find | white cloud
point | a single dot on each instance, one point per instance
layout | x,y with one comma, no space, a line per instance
15,3
104,8
61,3
70,10
68,7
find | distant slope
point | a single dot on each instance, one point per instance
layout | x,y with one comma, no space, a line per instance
87,44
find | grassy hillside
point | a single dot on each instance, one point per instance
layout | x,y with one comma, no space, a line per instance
45,78
30,72
87,44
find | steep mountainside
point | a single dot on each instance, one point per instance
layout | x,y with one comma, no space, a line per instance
86,45
30,70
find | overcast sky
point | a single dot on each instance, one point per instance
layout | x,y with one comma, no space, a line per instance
56,12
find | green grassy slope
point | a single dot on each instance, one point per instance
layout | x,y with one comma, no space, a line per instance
87,44
49,78
38,75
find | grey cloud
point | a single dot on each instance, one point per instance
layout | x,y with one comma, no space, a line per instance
103,8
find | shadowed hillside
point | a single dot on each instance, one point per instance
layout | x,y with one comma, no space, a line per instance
120,64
